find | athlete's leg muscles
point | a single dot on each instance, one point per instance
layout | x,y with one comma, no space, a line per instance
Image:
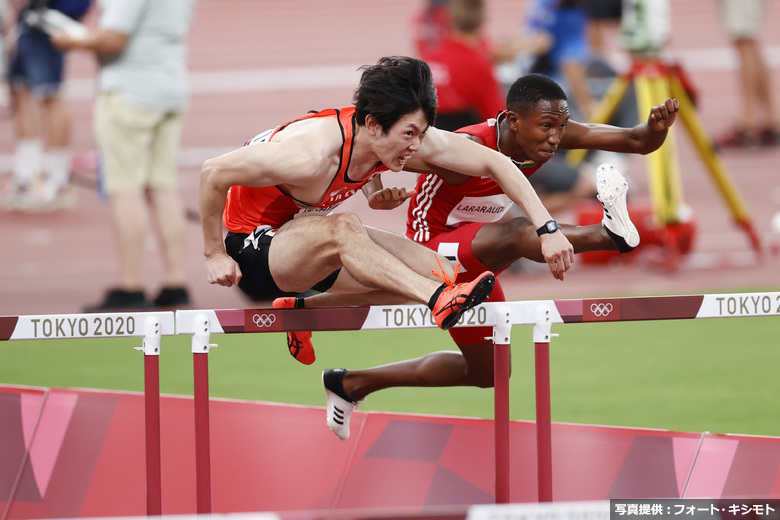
437,369
306,250
498,245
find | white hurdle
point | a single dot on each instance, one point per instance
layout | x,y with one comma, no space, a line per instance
150,326
501,316
541,314
202,323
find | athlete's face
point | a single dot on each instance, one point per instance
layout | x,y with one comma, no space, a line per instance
540,130
402,140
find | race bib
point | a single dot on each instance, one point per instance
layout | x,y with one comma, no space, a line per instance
479,209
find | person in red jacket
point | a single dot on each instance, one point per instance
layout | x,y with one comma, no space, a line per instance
463,69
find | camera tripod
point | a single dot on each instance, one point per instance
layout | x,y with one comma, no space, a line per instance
655,81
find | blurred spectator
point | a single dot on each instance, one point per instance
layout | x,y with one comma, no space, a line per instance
758,120
431,25
555,43
41,168
603,17
561,26
142,50
556,40
463,69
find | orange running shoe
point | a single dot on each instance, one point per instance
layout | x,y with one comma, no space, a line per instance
455,299
298,343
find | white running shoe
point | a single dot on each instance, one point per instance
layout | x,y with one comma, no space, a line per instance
612,188
340,405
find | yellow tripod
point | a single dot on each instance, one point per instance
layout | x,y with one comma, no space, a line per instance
654,82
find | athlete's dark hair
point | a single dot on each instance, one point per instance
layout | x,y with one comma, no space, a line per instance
394,87
526,93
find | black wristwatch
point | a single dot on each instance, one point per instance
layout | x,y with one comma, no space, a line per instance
549,227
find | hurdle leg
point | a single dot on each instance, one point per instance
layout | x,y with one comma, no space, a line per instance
542,335
501,370
151,350
200,367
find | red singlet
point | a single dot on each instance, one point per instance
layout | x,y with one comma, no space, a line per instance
248,207
446,218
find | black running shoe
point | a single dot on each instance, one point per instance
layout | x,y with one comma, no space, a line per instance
121,300
172,297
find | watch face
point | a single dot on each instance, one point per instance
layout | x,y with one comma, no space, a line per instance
550,226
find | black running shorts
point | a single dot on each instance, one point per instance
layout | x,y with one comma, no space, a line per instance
251,254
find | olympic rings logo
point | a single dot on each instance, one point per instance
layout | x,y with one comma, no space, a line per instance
264,320
601,309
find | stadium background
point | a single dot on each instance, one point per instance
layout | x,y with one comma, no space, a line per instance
255,64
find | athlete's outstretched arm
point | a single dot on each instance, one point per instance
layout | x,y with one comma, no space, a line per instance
644,138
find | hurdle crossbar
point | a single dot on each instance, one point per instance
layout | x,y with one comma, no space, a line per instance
150,326
542,314
378,317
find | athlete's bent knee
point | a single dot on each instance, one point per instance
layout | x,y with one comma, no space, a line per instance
347,223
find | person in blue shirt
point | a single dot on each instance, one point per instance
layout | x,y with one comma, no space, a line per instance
562,26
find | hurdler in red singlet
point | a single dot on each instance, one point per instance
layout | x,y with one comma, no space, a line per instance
249,207
446,217
253,215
